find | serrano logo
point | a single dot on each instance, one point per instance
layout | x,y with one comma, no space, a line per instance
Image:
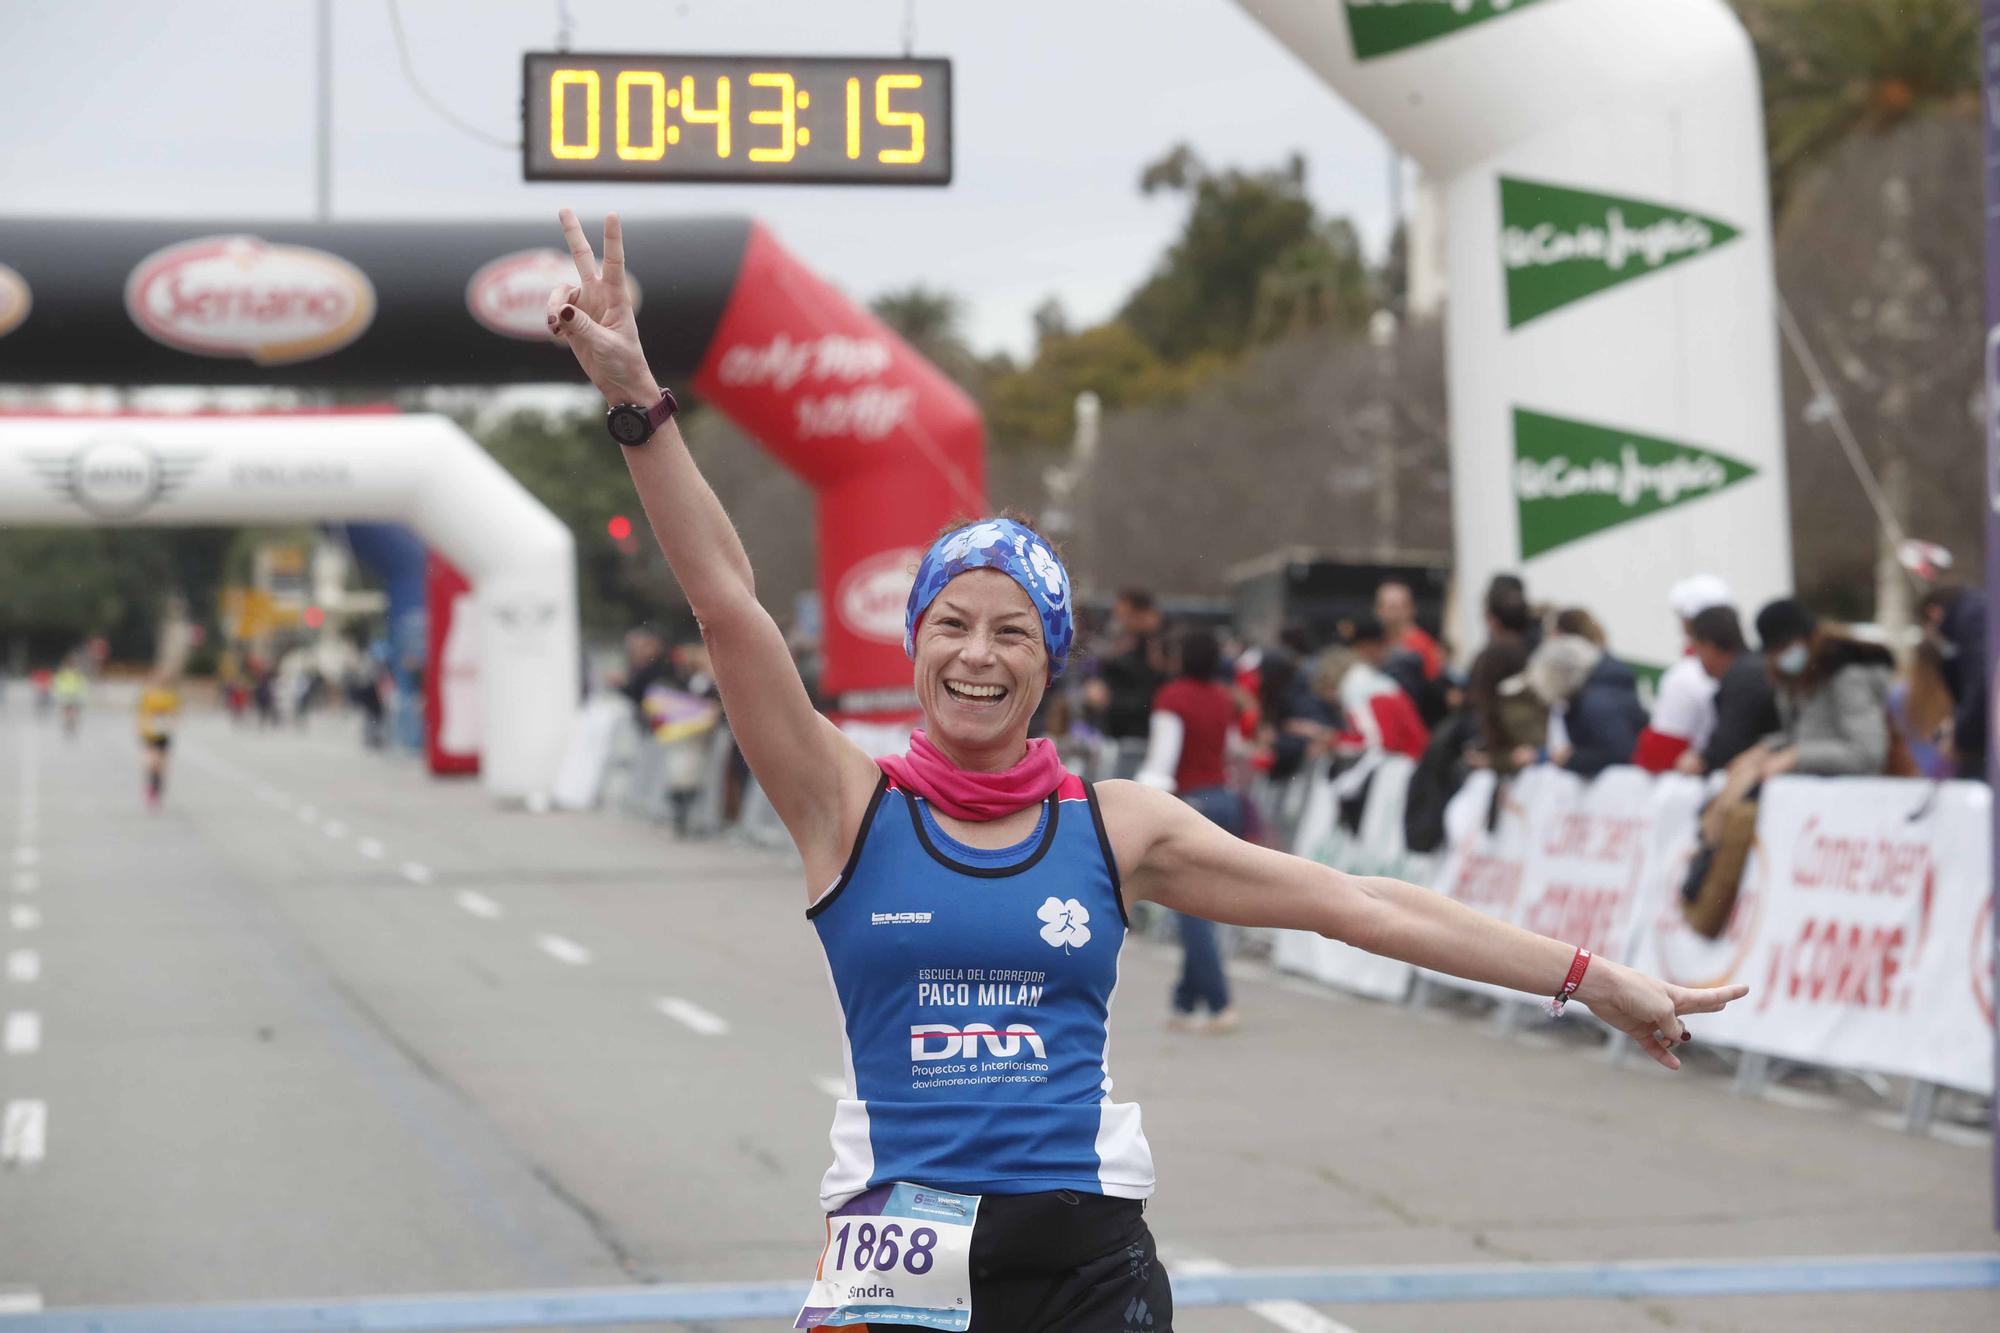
15,300
955,1041
510,296
115,476
237,296
876,592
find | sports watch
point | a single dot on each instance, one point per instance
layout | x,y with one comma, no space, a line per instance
632,425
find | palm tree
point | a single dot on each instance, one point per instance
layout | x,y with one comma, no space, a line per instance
1836,68
932,322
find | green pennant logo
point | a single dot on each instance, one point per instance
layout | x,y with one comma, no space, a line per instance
1572,479
1382,27
1559,245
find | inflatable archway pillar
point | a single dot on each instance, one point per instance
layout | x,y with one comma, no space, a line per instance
1612,356
420,471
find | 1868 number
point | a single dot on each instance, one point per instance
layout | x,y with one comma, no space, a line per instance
878,1248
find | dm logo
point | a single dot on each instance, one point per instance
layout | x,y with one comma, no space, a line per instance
15,300
115,476
241,297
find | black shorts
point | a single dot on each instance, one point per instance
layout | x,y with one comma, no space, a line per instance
159,743
1065,1262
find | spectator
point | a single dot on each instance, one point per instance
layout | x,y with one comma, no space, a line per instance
1397,610
646,665
1293,717
1684,711
1186,753
1920,711
1831,695
1447,761
1378,713
1743,707
1508,626
1593,699
1128,677
1955,625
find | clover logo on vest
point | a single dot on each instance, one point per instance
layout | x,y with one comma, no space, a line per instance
1067,924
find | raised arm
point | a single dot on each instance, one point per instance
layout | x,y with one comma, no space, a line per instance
1167,853
818,780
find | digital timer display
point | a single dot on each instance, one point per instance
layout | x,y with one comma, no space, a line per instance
786,119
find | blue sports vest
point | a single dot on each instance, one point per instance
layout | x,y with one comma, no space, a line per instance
973,989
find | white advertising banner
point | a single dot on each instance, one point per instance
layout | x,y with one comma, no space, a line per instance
1868,941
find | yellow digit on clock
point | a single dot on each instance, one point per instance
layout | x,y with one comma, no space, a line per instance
560,82
655,146
913,121
785,116
718,115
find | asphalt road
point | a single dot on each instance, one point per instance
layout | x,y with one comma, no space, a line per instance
325,1027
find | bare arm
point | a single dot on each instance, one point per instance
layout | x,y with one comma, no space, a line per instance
1167,853
818,780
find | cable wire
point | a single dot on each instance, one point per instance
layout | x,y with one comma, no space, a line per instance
438,108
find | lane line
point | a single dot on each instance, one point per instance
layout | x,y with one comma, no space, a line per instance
1292,1316
416,872
23,917
691,1015
308,814
26,881
831,1086
372,849
333,828
479,905
22,1034
562,950
23,965
19,1300
26,856
24,1132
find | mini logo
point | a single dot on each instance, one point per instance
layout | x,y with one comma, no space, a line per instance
1381,27
525,620
899,918
876,592
115,476
15,300
1560,245
510,296
1573,479
955,1041
238,296
1067,924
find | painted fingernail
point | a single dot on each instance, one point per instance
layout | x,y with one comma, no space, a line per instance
569,313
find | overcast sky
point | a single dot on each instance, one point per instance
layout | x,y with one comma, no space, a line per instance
205,108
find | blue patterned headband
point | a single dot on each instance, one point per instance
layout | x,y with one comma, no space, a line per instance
1014,550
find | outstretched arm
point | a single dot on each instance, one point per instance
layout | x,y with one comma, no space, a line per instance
817,779
1167,853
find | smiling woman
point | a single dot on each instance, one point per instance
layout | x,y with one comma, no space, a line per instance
971,898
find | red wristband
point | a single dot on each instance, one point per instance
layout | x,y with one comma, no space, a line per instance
1577,967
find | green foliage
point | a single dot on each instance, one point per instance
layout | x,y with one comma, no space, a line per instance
59,586
1036,405
1834,70
932,322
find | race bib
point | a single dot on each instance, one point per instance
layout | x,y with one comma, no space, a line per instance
896,1254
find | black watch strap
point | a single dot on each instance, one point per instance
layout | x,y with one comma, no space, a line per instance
632,425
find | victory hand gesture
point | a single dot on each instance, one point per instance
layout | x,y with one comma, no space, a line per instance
595,317
1646,1009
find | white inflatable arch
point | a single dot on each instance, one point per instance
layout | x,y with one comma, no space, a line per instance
1612,355
420,471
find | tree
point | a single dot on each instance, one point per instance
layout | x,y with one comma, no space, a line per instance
932,322
1035,405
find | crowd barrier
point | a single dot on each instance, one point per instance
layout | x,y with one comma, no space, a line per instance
1863,926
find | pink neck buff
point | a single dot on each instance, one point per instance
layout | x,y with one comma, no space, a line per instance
963,794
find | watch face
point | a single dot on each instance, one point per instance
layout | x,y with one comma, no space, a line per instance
628,425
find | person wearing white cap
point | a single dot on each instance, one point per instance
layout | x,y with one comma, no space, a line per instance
1684,712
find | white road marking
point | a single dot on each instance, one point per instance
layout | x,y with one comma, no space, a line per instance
24,1132
372,848
26,856
26,881
416,872
830,1085
691,1015
307,814
282,801
333,828
562,950
22,1034
23,917
479,905
20,1300
23,965
1292,1316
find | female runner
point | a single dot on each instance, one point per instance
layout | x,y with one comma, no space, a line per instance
971,899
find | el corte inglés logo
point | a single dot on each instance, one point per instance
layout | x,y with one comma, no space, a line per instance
238,296
1380,27
1560,245
1573,479
510,295
15,300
